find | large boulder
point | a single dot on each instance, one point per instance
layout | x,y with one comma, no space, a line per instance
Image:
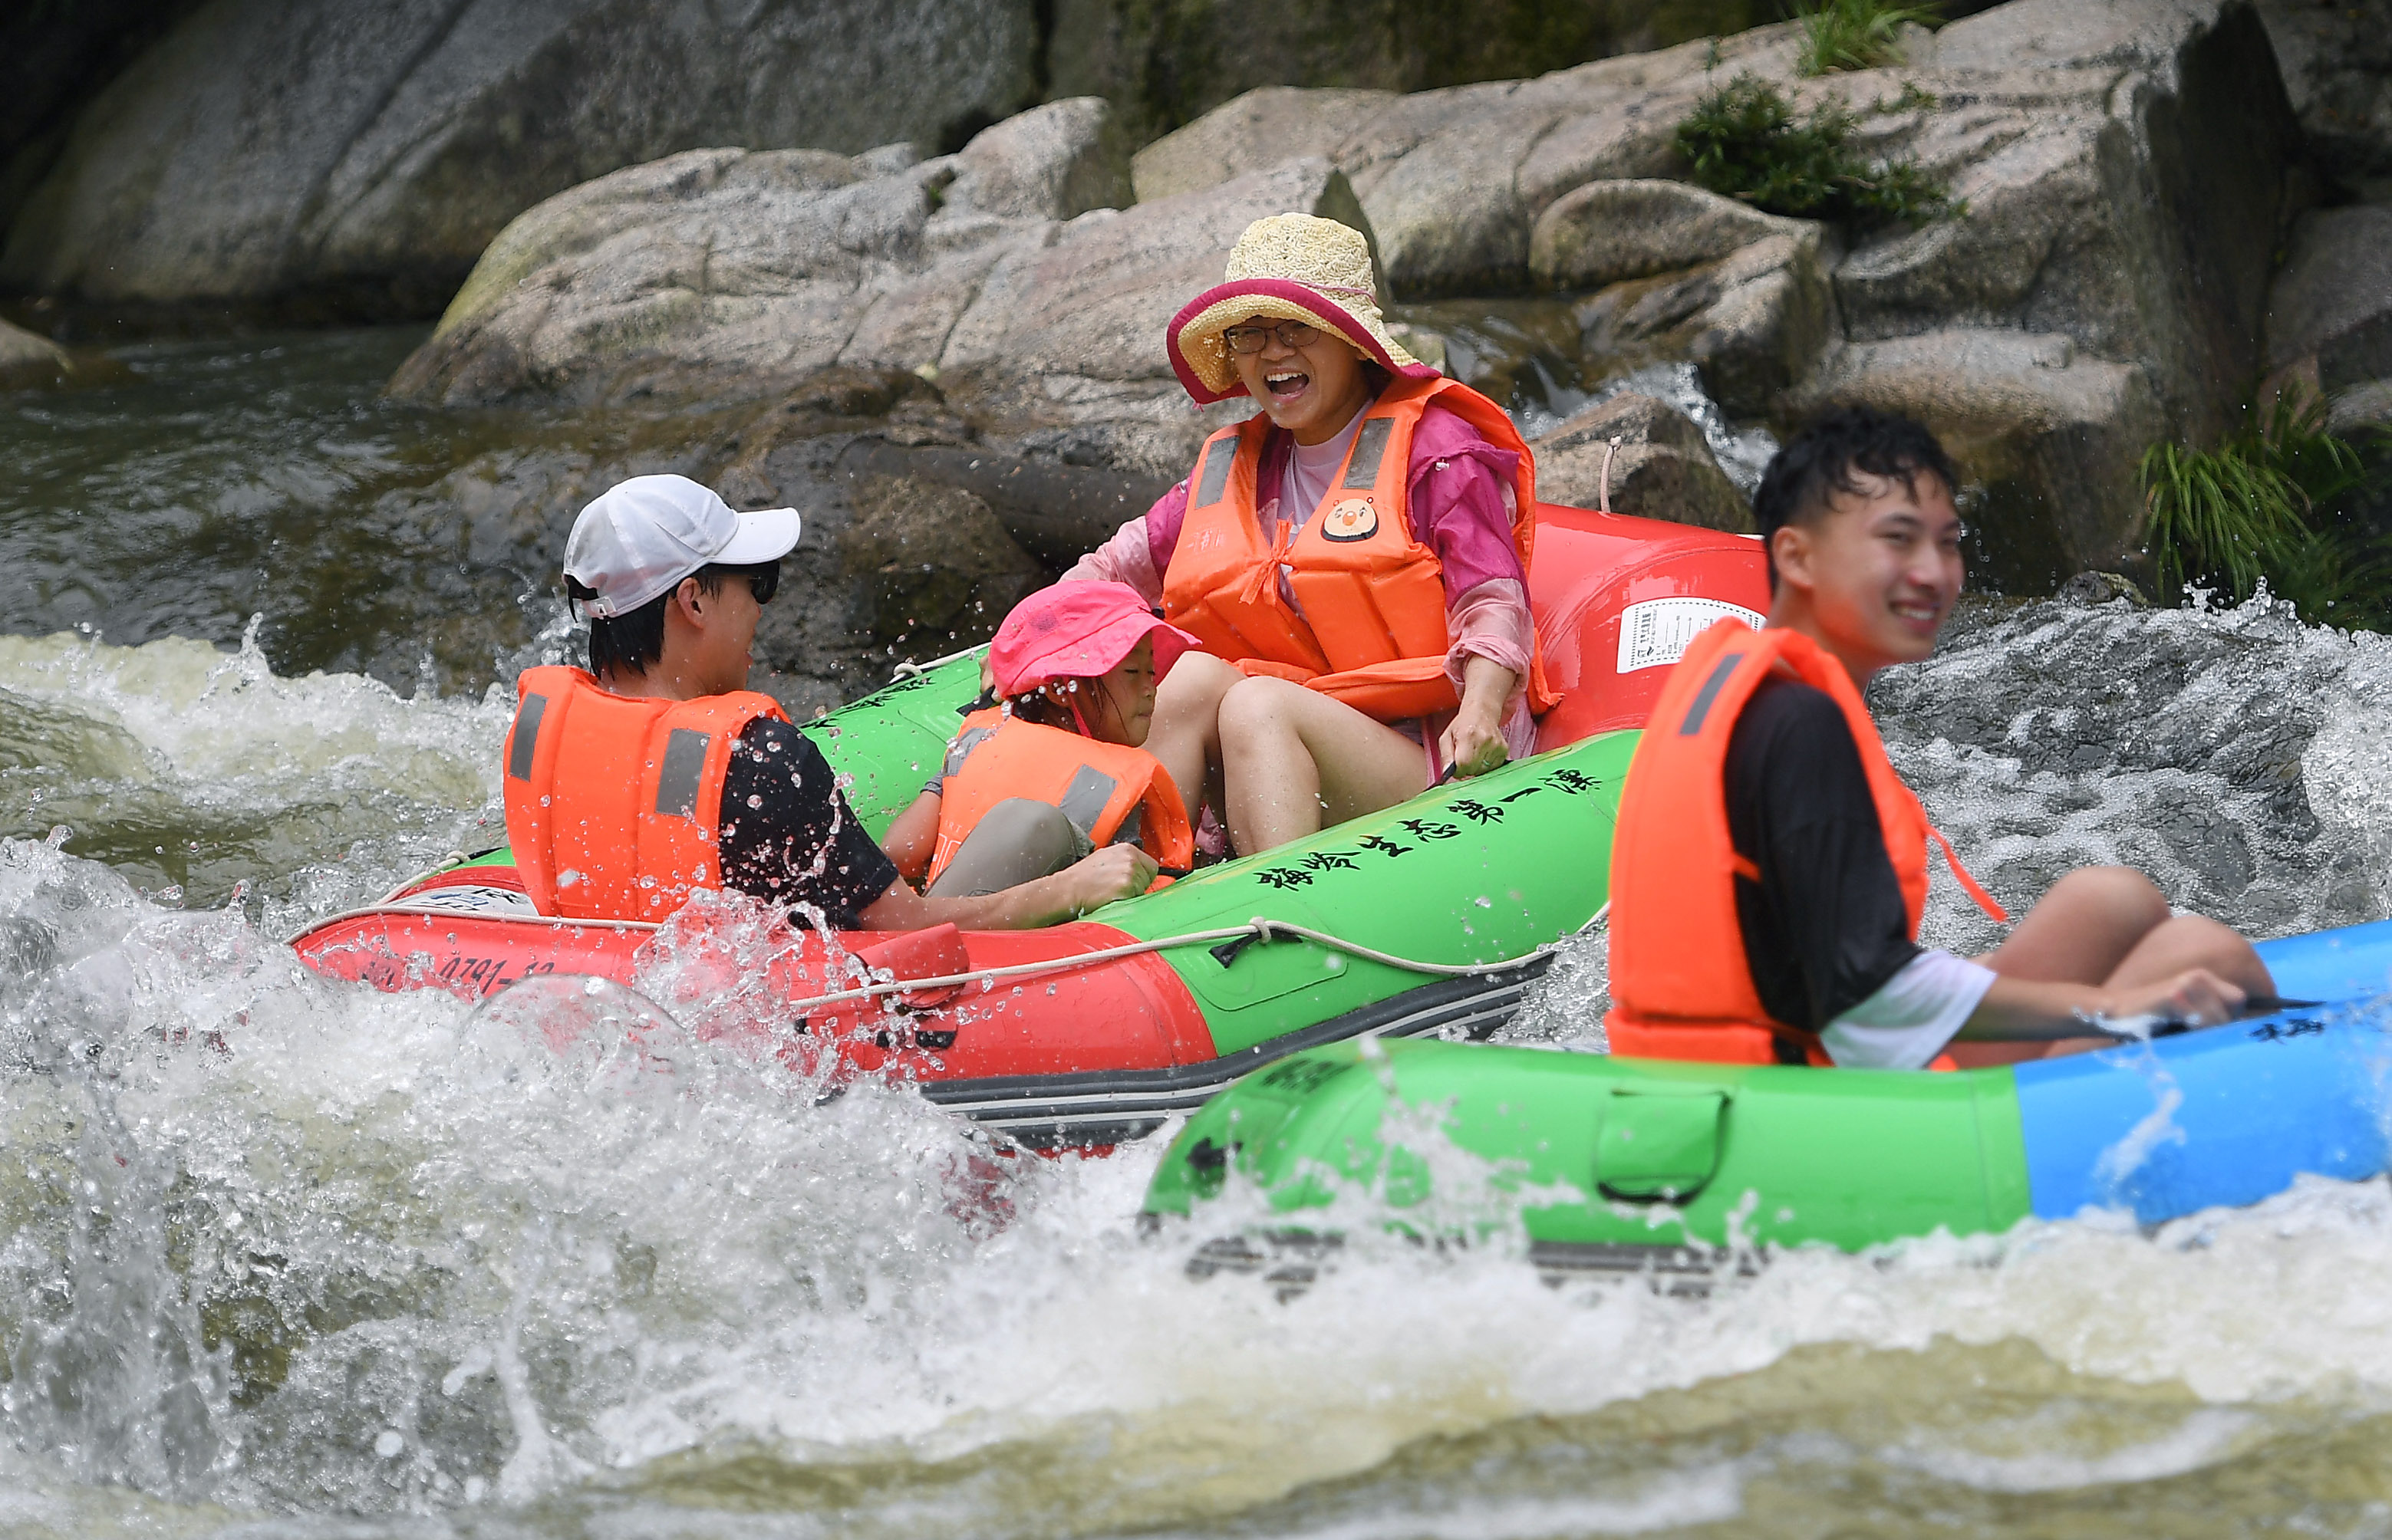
2337,62
2127,172
1258,130
749,270
1453,180
2124,166
742,267
1636,455
363,152
1680,273
2330,312
27,362
1056,162
53,60
937,568
2126,169
1755,321
723,272
1635,227
1164,65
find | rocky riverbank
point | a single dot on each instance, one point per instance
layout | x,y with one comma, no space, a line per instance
2161,205
2125,168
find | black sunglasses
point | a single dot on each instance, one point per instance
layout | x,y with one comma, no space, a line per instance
765,581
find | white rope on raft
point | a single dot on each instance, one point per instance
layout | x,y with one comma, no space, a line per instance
1259,928
909,669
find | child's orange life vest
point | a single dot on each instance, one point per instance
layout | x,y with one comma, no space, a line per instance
1108,791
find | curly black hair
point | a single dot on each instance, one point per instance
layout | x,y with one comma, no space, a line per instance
1818,462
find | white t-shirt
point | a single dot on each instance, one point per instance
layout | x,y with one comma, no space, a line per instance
1911,1015
1311,471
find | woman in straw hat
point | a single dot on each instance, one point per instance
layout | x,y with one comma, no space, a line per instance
1354,557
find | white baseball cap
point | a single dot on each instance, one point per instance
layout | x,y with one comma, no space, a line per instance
640,537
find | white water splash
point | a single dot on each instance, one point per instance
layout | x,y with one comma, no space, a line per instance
389,1265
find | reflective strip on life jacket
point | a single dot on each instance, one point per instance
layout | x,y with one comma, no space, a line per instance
1108,791
1681,984
1368,626
614,803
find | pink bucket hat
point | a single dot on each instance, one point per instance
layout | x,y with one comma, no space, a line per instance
1077,631
1290,267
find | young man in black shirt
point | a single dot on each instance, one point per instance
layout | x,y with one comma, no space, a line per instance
675,582
1864,545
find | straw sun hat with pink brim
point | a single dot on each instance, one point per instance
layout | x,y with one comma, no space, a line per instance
1078,631
1290,267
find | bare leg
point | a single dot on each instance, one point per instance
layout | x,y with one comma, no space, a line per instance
1292,754
2080,931
2195,941
1186,732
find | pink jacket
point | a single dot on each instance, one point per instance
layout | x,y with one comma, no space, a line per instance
1459,489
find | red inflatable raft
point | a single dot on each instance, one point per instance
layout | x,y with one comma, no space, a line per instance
1429,916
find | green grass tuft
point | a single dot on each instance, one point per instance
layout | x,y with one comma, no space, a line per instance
1856,34
2282,501
1744,141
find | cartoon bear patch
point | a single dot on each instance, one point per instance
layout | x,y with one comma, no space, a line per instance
1352,518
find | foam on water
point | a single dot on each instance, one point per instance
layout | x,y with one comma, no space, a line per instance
190,770
284,1256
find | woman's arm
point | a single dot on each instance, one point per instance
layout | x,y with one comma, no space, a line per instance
1493,636
1461,508
1140,550
1474,742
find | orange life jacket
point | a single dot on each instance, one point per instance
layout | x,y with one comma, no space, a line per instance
1371,630
1681,984
614,804
1108,791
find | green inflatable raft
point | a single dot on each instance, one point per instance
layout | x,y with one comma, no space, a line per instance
1431,916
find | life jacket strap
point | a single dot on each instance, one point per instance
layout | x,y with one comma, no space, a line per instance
1969,885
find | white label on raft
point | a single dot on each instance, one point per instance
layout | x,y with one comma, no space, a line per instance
1657,632
471,900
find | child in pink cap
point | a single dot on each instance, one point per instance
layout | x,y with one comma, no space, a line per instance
1060,767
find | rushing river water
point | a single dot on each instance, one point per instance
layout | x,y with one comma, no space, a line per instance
280,1257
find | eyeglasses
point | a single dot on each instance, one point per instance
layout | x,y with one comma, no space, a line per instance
1252,339
765,581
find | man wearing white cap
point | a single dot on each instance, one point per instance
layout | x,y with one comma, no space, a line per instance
658,772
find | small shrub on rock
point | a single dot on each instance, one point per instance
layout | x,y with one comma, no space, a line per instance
1744,141
2284,501
1856,34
